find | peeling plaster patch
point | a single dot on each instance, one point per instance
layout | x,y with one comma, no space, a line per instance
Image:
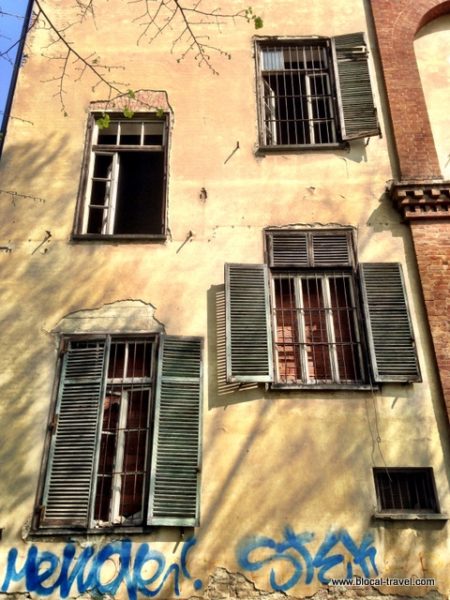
143,100
222,584
127,316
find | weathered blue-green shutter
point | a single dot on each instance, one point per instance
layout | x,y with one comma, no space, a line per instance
248,331
299,249
390,335
357,112
175,471
70,471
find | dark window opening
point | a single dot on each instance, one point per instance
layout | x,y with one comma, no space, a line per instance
405,490
126,183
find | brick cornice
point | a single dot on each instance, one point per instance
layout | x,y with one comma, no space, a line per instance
421,199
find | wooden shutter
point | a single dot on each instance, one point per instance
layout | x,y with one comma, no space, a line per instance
248,332
175,472
71,464
390,335
357,112
318,248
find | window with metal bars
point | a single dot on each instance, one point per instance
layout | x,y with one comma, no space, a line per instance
124,454
316,328
313,317
124,434
124,179
297,94
314,91
405,490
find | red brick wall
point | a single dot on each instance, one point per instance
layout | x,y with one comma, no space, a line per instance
396,23
432,245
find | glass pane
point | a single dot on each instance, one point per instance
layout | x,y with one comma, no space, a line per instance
139,359
287,342
154,133
109,134
130,133
344,329
316,336
111,410
100,193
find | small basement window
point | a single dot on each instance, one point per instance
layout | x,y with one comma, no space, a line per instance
406,490
124,184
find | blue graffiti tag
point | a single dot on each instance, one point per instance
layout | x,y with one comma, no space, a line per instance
85,571
292,549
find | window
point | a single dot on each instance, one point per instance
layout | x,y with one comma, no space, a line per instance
313,317
125,435
124,185
316,328
314,91
405,490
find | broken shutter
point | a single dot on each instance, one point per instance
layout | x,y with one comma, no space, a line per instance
175,472
71,463
357,112
391,339
248,332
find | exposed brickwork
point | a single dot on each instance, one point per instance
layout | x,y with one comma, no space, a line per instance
432,245
396,23
421,195
223,585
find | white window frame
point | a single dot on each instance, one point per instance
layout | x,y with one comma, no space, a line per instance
324,279
112,180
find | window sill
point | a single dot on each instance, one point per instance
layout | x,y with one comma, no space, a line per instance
298,148
73,531
133,238
324,386
410,516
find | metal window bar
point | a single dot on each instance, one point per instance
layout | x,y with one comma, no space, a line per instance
123,460
299,77
405,490
317,338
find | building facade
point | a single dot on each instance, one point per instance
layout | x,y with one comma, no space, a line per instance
223,346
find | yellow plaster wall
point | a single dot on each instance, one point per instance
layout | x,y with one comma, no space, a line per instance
270,459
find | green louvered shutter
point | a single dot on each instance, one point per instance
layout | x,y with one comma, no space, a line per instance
390,335
70,471
248,331
175,472
299,249
357,112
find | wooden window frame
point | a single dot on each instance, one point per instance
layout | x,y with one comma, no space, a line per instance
92,149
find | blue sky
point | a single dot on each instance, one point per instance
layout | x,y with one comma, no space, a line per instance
11,23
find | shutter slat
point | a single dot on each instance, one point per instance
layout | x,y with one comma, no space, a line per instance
248,336
174,481
391,339
68,485
300,249
358,116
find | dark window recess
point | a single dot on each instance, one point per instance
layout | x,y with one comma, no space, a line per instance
405,490
314,91
125,182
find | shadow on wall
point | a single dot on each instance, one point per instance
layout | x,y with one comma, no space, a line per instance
220,392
